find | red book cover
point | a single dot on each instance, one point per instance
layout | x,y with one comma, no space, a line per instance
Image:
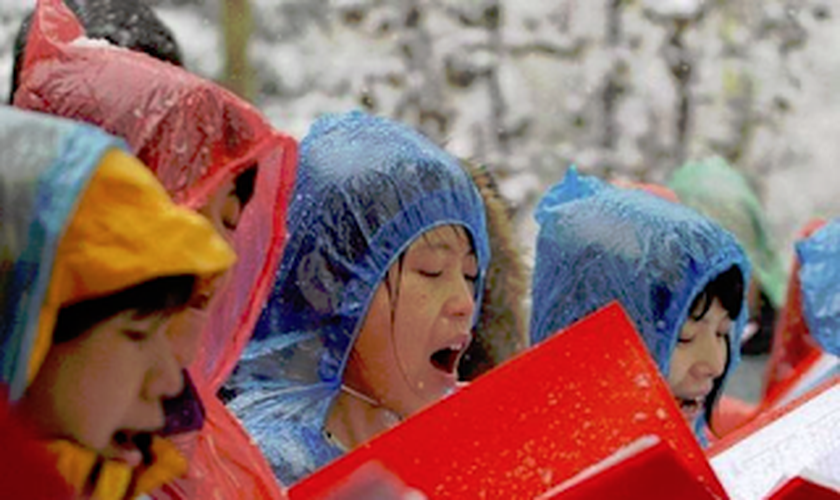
800,488
534,422
647,468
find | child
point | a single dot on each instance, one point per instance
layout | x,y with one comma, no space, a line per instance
375,297
679,276
717,190
212,152
95,263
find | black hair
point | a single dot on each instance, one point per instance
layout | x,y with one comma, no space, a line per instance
728,287
714,394
163,296
244,185
125,23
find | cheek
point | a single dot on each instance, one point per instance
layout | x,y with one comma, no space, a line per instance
372,357
231,210
90,395
184,332
107,400
678,368
213,213
414,328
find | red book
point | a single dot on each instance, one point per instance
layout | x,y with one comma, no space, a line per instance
534,422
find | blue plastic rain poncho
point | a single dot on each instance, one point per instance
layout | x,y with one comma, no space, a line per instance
366,189
819,276
598,243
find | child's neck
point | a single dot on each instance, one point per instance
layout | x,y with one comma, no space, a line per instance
355,418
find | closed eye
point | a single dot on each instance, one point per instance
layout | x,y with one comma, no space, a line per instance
430,274
200,302
136,335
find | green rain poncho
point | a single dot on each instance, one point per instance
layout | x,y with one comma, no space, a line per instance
719,191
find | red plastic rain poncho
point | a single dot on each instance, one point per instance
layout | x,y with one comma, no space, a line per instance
195,136
794,351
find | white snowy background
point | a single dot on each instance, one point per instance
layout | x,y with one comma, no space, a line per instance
623,88
529,86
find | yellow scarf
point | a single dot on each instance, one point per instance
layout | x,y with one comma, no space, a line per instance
115,480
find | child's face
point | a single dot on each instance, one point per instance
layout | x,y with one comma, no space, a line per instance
699,358
103,387
224,209
409,346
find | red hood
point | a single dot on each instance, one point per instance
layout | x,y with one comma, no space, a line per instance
794,350
193,134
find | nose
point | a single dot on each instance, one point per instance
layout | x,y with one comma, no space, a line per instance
710,361
461,300
164,379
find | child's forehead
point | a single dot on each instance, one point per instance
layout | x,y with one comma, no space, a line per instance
444,239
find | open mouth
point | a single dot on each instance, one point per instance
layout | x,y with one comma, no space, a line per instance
132,447
691,407
446,359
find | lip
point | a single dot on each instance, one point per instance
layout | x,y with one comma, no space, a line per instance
458,342
694,395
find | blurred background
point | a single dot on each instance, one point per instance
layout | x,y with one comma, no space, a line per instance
623,88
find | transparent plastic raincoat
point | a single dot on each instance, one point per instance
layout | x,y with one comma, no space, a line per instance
805,344
58,246
366,189
598,243
819,276
195,136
